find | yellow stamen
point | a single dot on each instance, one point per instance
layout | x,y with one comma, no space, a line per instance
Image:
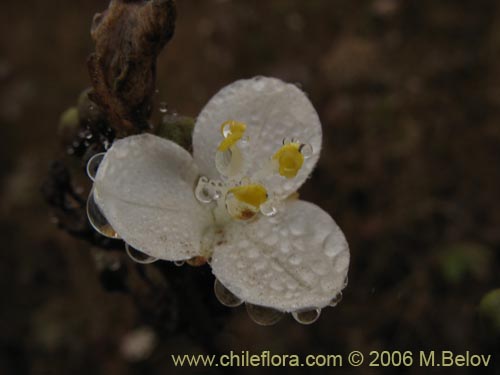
290,159
253,194
236,131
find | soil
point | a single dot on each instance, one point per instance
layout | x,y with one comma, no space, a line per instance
408,93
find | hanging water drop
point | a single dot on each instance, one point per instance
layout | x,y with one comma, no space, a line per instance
306,316
138,256
336,300
264,316
97,219
179,263
93,165
225,296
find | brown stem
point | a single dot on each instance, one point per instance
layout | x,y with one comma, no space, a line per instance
128,37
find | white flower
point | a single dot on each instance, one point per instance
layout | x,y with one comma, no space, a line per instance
254,145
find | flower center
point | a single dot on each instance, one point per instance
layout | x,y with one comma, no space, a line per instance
244,197
253,194
244,202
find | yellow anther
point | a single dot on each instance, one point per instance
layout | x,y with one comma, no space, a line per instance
290,159
232,131
253,194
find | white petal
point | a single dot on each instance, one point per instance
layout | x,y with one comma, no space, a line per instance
144,187
272,110
296,260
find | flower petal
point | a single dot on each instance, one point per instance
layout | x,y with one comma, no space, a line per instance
144,187
272,110
296,260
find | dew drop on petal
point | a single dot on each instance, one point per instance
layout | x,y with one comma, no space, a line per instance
179,263
206,191
306,150
138,256
269,208
97,219
306,316
225,296
229,163
244,141
226,129
336,300
295,260
346,281
331,245
93,165
264,316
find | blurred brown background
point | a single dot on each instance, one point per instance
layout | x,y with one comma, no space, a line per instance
408,93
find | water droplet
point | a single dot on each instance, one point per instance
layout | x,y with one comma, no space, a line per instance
306,316
336,300
225,296
346,281
230,162
287,140
206,191
226,129
295,260
138,256
332,244
264,316
97,219
284,247
271,240
306,150
163,107
179,263
260,265
268,208
244,140
93,165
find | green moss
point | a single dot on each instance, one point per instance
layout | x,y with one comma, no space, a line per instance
463,260
489,309
178,129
